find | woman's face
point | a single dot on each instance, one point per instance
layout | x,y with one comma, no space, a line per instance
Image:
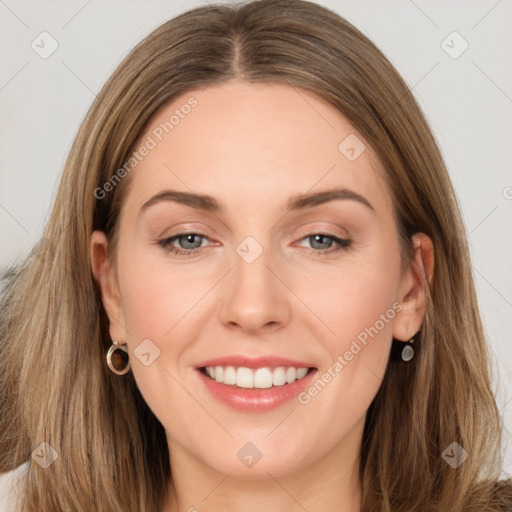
254,277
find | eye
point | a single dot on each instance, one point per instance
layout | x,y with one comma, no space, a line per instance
188,241
325,241
191,243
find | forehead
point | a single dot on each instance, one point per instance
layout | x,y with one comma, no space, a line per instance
238,141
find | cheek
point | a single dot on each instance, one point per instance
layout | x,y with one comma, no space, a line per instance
358,305
155,295
353,298
359,309
156,304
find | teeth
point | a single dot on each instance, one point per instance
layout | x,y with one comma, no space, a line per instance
259,378
291,374
229,374
301,372
244,377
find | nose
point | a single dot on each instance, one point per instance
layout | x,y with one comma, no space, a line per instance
254,298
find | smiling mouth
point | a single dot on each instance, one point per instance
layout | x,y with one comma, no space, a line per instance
255,378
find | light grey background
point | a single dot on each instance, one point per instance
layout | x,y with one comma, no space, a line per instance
468,101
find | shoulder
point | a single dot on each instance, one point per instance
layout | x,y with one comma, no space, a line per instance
9,488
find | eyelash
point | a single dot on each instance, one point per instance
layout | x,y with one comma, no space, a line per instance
343,244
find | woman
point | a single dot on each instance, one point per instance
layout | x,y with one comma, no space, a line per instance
183,339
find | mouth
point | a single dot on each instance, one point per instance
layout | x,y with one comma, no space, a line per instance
256,378
255,390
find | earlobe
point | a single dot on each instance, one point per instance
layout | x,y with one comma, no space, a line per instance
105,277
413,293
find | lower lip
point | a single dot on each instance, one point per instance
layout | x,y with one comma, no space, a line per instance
255,399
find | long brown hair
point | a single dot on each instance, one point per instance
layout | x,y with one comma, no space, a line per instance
112,451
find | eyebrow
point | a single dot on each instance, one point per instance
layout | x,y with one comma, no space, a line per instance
296,202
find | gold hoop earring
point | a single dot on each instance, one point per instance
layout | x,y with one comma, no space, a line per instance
118,359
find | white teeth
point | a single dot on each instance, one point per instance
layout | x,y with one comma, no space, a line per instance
230,375
291,375
244,377
301,372
262,378
279,376
255,378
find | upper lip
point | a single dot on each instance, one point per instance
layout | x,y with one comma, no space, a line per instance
254,362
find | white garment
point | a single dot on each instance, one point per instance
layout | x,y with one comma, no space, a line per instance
9,487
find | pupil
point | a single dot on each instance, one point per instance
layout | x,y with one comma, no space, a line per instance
320,238
190,238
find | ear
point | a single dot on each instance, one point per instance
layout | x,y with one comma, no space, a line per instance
413,289
105,276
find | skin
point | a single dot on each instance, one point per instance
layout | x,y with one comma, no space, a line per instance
253,147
